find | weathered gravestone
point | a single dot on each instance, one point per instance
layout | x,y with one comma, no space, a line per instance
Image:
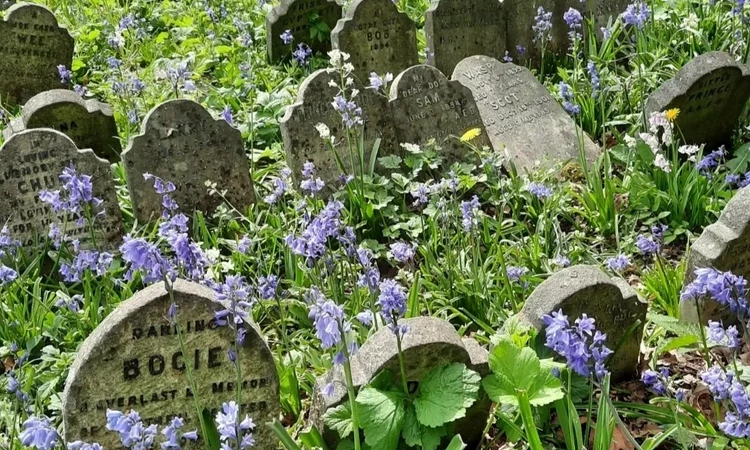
89,123
302,140
457,29
431,343
32,45
180,142
710,91
378,38
616,307
725,246
520,114
425,104
309,22
5,4
32,161
133,361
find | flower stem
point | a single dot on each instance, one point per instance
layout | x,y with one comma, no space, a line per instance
352,400
532,435
401,362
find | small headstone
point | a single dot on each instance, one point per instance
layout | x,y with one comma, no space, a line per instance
32,161
378,38
457,29
89,123
134,361
725,246
32,45
614,305
711,92
309,22
425,104
431,343
520,114
180,142
302,140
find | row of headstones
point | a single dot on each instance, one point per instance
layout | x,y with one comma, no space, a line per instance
380,38
134,359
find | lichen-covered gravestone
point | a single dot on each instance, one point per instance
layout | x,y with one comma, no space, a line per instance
32,45
89,123
133,361
309,22
725,246
616,307
430,343
520,114
457,29
180,142
425,104
710,91
378,38
302,140
32,161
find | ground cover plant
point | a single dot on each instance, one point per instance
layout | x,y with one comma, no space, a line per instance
320,267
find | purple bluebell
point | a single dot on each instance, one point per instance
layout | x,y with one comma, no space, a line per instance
392,301
515,273
267,287
655,381
723,287
65,74
39,433
647,245
302,54
582,346
243,246
287,37
328,320
568,99
636,14
542,26
729,337
710,162
233,433
226,114
618,263
7,275
507,57
365,318
145,258
312,242
403,252
595,80
351,114
281,186
234,297
377,82
469,213
539,190
173,436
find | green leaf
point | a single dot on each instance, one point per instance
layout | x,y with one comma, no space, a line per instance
390,161
456,443
417,435
500,389
382,417
445,394
339,419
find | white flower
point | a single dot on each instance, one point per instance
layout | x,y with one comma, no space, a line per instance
332,83
349,81
659,120
688,150
355,92
661,162
411,148
651,141
631,142
690,21
323,130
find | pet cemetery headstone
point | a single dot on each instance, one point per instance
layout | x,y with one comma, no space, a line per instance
522,118
306,22
134,361
32,46
89,123
180,142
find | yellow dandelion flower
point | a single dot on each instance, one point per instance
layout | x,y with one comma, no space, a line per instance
471,135
672,114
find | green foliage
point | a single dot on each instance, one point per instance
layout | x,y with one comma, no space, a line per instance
383,414
445,394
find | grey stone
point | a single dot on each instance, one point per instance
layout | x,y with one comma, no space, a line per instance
32,45
378,38
725,246
520,114
457,29
302,140
301,18
710,91
134,361
32,161
614,305
425,104
89,123
430,343
180,142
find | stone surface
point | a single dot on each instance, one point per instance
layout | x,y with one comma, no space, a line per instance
32,45
301,18
32,161
302,140
180,142
522,118
133,361
425,104
610,301
710,92
457,29
378,38
89,123
429,344
725,246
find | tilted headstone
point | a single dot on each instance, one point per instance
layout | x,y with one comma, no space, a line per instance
309,22
302,140
431,343
614,305
725,246
32,46
89,123
425,104
457,29
378,38
710,91
520,114
133,361
180,142
32,161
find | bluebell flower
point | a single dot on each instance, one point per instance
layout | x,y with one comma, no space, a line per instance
84,260
568,99
226,114
287,37
74,197
654,381
710,162
243,246
351,114
312,242
302,54
145,258
729,337
267,286
732,179
403,252
573,18
723,287
377,82
370,278
618,263
647,245
507,57
65,74
515,273
561,261
173,435
469,212
233,433
328,390
328,319
365,318
234,296
542,25
636,14
582,346
39,433
595,80
539,190
281,186
7,275
392,301
80,445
